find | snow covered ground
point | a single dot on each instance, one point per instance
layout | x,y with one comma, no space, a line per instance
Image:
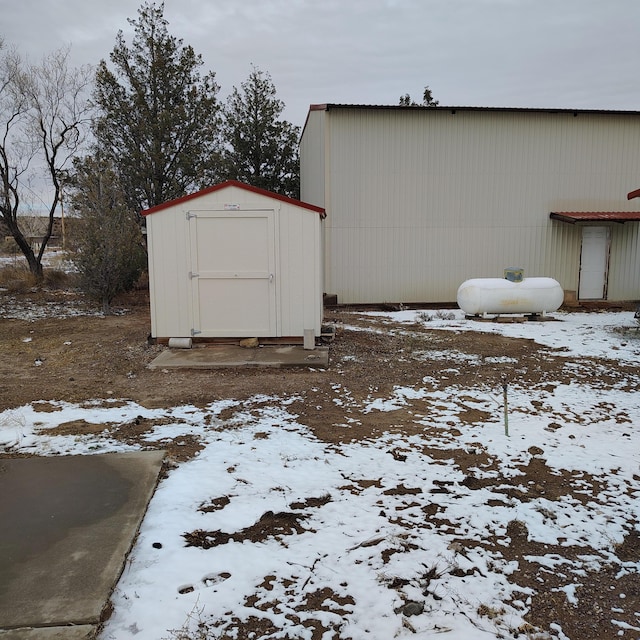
370,545
52,258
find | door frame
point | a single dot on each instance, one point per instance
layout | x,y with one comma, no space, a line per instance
607,257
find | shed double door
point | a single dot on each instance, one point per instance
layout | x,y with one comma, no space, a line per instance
232,275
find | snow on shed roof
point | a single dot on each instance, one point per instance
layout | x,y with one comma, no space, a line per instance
239,185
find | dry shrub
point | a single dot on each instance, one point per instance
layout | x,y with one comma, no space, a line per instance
8,246
17,278
142,283
57,279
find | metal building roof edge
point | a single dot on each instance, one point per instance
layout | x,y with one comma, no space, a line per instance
453,108
329,106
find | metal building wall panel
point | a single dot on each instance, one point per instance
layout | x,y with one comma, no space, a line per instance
421,200
312,159
624,274
314,187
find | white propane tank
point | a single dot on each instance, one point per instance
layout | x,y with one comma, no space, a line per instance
495,295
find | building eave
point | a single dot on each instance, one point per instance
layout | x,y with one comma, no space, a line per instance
239,185
574,217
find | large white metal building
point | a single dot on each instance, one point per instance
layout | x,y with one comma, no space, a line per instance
235,261
420,199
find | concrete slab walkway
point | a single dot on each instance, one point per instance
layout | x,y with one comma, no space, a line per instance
225,355
67,524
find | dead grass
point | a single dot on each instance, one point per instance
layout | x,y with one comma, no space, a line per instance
17,278
57,279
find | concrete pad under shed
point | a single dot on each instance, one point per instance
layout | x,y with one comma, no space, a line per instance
224,355
67,524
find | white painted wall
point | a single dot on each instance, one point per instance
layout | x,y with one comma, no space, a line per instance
420,200
169,286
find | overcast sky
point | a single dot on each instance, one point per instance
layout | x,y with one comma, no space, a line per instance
493,53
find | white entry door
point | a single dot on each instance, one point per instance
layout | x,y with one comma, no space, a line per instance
233,273
594,263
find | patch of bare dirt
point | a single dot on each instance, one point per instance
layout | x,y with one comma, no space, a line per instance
270,525
82,358
179,449
214,505
311,502
320,611
255,627
79,359
586,604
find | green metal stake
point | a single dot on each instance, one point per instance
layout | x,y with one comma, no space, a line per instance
506,410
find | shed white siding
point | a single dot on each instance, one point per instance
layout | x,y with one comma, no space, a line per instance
420,200
169,289
223,257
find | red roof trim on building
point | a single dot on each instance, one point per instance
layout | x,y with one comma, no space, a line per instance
329,106
239,185
633,194
596,216
453,108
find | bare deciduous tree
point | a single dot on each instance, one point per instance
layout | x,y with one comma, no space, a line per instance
43,116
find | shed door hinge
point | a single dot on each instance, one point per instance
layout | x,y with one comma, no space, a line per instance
190,215
193,275
195,332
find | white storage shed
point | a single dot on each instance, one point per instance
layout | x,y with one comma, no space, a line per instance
235,261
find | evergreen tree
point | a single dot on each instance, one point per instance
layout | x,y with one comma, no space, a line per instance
159,117
108,251
427,100
261,148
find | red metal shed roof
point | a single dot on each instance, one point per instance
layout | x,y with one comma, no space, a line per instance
595,216
240,185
